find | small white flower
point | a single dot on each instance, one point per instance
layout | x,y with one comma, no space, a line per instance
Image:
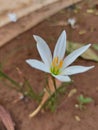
12,17
58,66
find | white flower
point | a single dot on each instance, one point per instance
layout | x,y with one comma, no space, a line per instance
58,66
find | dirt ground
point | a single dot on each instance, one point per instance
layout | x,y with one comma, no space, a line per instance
14,54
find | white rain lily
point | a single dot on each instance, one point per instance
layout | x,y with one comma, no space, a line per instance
57,65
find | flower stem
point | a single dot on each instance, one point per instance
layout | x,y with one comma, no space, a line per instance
54,83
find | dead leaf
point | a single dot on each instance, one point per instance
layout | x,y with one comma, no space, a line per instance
6,119
88,55
77,118
72,92
82,32
90,11
47,95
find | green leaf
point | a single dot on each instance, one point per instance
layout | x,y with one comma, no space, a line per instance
28,91
88,55
84,100
95,46
87,100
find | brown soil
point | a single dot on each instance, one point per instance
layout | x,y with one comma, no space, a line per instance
14,54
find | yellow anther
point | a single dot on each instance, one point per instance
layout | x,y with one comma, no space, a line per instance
56,65
55,61
60,64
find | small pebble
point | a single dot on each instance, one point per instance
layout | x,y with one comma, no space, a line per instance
77,118
76,106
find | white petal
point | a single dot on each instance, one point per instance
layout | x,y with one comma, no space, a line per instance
73,56
38,65
76,69
62,78
60,46
12,17
44,50
72,21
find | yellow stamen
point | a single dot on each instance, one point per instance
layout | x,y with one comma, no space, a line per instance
60,64
56,65
55,61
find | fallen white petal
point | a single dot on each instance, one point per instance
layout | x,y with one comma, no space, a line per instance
72,22
44,50
12,17
74,55
62,78
75,70
38,65
60,47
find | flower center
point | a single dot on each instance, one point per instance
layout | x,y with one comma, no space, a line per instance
56,66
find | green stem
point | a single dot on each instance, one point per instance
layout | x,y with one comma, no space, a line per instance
21,88
30,91
8,78
47,86
55,93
